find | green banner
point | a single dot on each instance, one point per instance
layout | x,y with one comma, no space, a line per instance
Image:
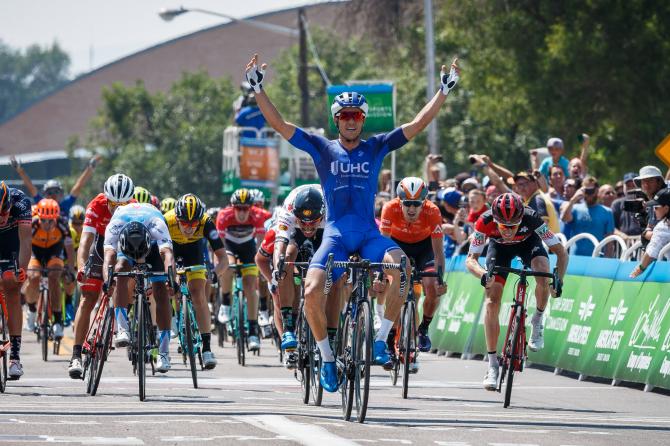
381,104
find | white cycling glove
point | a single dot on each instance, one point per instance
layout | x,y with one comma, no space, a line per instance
448,81
255,77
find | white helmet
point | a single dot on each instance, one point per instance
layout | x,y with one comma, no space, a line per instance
412,188
119,188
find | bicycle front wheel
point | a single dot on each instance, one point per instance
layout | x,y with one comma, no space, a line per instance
4,345
408,345
513,349
44,326
345,366
190,347
141,347
314,364
362,359
240,338
101,349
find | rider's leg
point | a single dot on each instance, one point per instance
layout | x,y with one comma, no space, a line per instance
541,264
394,298
15,317
491,321
250,291
32,290
202,314
56,266
163,314
287,291
430,302
315,301
121,295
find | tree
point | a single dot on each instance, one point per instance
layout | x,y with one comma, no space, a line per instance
29,75
170,143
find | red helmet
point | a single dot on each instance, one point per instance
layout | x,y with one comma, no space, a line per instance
507,209
48,209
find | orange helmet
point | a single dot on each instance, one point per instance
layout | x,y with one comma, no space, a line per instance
48,209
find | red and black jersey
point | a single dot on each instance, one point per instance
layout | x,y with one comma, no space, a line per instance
531,223
268,246
236,231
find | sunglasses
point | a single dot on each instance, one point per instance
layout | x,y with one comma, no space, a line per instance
188,224
412,203
355,115
310,223
47,221
116,204
508,227
590,191
242,208
53,191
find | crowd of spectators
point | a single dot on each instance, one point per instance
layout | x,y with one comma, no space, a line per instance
560,189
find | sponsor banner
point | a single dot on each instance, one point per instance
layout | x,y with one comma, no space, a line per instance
259,162
381,105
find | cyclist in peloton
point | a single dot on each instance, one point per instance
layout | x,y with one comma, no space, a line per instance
132,228
415,224
299,220
117,191
51,236
512,230
258,200
77,215
348,170
15,240
188,225
240,225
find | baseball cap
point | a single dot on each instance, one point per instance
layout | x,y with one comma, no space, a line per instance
648,172
630,176
523,174
469,182
554,142
449,195
662,198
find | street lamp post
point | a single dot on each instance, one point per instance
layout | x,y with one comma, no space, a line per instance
169,14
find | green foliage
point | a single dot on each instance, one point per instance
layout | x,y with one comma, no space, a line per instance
28,75
170,142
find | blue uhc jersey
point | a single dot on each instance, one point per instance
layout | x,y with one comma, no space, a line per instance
349,178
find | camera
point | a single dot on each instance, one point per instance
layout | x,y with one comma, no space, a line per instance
635,203
464,202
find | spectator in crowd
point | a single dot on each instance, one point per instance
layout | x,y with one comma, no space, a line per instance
525,184
606,195
660,236
556,158
469,184
651,181
53,188
556,183
583,214
491,193
434,170
570,187
625,223
447,201
618,188
385,186
576,169
477,200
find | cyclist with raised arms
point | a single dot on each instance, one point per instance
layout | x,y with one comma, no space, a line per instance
348,170
415,224
189,225
512,230
117,191
15,244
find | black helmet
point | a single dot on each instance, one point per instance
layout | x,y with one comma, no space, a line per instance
308,205
135,240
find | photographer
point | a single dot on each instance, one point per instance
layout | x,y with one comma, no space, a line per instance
660,236
651,181
624,209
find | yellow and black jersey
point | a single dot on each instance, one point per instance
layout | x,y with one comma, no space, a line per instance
206,229
76,237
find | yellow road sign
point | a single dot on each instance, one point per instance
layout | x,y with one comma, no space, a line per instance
663,151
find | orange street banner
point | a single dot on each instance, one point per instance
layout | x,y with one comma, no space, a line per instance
663,151
259,162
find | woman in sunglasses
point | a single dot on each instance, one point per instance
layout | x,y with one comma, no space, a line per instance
513,230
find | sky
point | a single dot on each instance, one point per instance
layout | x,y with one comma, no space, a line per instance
95,33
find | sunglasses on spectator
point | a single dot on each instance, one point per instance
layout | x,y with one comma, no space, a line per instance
508,227
242,208
590,190
189,224
355,115
412,203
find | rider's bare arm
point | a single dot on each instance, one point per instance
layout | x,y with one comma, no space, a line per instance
472,264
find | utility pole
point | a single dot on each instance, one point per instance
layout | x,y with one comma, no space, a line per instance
302,71
430,71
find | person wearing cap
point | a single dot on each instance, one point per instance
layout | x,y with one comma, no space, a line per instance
584,214
660,236
625,223
525,184
469,184
606,195
53,188
447,201
555,148
651,181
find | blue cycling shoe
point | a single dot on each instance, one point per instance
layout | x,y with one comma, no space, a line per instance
328,377
424,342
288,341
381,353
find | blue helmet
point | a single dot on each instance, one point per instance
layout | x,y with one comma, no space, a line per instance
348,99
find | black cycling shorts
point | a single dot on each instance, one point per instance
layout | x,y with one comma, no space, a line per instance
503,254
190,253
421,253
9,244
95,258
245,252
45,254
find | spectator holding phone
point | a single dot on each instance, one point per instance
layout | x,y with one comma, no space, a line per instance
583,214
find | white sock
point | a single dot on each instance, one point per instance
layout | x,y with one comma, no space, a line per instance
493,359
379,310
121,318
384,330
164,346
537,317
326,351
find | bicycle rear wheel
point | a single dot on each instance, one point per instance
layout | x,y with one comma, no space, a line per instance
190,347
408,344
4,347
44,326
142,339
302,353
101,349
345,366
362,359
314,365
513,349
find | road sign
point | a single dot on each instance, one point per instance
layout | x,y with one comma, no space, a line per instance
663,151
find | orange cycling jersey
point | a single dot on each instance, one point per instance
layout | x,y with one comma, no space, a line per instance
46,239
429,223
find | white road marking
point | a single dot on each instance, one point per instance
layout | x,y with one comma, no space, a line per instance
225,437
307,434
591,433
123,441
